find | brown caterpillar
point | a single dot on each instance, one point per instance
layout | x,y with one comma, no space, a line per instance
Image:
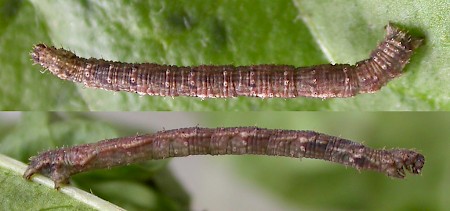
210,81
60,164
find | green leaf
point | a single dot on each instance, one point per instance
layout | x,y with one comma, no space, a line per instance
145,186
300,33
306,184
19,194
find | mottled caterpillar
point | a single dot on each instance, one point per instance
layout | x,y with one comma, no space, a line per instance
213,81
60,164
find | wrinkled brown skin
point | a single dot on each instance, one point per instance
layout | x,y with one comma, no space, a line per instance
386,62
60,164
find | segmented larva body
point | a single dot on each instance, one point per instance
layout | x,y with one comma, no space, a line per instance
60,164
212,81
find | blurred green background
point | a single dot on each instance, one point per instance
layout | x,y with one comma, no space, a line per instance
299,33
240,182
237,32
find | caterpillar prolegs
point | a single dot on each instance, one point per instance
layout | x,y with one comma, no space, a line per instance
386,62
60,164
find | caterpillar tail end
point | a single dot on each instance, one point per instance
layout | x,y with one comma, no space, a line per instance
41,164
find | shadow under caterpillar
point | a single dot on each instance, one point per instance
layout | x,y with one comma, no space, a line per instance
60,164
386,62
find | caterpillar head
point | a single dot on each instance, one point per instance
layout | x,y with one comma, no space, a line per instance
404,159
